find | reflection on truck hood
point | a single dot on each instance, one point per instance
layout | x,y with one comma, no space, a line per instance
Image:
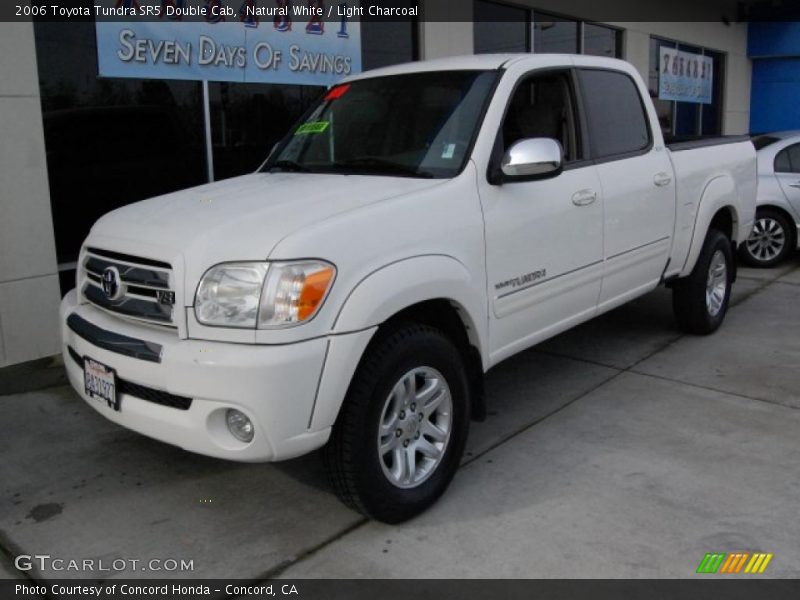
245,217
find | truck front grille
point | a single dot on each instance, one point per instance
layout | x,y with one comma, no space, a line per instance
140,288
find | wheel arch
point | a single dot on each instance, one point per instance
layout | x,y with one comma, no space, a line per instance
435,290
717,209
419,285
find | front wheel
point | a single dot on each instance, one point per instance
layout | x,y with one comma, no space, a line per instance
402,428
700,301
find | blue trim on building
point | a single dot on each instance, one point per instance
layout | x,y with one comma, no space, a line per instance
775,96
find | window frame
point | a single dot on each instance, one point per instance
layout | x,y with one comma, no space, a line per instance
719,77
530,22
598,160
494,175
787,150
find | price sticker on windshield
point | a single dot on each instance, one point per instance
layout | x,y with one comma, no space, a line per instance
313,127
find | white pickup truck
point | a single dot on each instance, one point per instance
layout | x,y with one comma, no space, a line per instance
420,224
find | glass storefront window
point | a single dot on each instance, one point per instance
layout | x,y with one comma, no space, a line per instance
114,141
711,117
554,35
389,42
501,27
687,118
601,41
248,119
109,142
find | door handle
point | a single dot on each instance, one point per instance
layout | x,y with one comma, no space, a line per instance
796,184
584,197
662,179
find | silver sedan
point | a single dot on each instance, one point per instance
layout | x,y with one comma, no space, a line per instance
775,233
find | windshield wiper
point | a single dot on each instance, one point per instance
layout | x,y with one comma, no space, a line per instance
373,163
289,165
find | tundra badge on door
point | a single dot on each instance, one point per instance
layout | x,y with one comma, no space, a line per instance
522,281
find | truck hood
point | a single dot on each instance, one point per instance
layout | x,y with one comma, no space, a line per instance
242,218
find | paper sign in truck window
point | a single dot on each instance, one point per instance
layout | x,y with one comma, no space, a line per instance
314,127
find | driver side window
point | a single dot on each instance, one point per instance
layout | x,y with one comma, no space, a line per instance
543,106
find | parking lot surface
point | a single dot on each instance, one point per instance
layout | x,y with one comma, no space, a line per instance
619,449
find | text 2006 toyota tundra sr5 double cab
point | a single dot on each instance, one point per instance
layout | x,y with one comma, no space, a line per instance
419,225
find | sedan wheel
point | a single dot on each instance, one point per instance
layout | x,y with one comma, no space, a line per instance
767,240
770,241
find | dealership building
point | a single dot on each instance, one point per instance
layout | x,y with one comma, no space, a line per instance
81,134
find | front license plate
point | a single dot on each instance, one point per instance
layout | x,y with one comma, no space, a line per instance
100,382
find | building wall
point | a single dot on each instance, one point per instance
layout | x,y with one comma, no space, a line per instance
29,292
775,51
449,39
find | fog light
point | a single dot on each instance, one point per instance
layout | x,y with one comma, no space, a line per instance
239,425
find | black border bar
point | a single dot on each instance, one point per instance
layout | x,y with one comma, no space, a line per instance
725,11
710,587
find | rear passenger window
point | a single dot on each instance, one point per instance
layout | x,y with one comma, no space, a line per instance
615,113
788,160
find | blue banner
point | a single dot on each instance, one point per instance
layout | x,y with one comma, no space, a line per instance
685,76
304,43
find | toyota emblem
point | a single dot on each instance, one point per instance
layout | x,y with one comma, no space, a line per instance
111,283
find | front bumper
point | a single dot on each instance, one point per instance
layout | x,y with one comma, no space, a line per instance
275,386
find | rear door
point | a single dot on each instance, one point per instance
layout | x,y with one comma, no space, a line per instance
636,178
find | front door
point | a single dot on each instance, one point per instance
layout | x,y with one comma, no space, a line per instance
544,238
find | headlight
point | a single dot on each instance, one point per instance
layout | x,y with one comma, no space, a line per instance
263,295
228,295
294,292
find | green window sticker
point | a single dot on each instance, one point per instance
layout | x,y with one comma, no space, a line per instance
313,127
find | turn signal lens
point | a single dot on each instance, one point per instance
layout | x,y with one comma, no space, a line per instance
314,289
294,292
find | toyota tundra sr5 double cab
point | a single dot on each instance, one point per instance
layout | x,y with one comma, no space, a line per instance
419,225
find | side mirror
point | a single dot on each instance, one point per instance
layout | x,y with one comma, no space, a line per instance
532,158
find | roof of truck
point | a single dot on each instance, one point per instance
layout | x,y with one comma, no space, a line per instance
482,62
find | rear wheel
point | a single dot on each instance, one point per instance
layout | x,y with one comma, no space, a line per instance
770,241
700,301
402,428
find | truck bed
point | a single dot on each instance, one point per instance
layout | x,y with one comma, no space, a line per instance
688,142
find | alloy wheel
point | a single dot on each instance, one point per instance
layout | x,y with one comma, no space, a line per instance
415,426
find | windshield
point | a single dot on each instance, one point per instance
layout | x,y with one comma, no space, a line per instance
413,125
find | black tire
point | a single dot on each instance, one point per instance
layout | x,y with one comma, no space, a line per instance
771,228
352,458
689,302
